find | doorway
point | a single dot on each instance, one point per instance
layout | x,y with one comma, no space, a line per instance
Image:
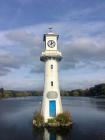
52,108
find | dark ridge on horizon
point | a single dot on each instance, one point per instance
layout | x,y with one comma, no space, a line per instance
96,91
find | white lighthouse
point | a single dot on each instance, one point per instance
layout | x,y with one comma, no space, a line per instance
51,103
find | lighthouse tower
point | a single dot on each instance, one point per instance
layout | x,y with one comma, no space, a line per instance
51,103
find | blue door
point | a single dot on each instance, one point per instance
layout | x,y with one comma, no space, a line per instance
52,108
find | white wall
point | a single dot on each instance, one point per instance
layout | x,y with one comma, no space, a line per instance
51,75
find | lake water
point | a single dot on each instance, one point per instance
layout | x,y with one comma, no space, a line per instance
88,116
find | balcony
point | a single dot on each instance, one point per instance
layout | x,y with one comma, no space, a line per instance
51,55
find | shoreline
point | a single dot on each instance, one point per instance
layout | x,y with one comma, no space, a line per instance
103,96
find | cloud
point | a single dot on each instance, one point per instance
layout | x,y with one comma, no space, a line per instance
4,71
81,27
9,61
23,37
22,83
81,45
20,49
83,49
84,12
37,68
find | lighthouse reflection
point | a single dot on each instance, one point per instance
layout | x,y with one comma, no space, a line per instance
51,134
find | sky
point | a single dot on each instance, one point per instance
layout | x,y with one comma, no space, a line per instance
81,28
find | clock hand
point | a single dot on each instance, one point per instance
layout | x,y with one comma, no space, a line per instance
51,42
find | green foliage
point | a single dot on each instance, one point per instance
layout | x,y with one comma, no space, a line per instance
1,92
97,90
8,93
38,118
53,120
0,95
76,93
13,93
64,118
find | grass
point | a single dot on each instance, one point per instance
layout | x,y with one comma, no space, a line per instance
62,119
38,119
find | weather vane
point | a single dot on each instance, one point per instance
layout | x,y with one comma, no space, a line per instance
50,29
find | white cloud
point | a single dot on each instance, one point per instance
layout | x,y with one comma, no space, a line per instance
79,42
82,45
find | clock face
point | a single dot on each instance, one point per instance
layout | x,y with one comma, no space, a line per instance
51,43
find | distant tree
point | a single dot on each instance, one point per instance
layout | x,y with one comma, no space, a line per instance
2,92
97,90
76,93
100,89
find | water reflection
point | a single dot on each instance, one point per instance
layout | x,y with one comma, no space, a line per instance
88,116
51,133
99,103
